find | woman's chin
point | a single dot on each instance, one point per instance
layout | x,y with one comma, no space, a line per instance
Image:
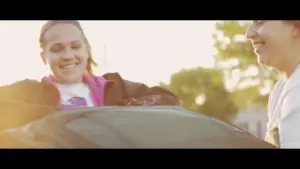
72,79
263,59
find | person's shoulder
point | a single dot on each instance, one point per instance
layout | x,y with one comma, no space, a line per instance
108,77
291,102
26,84
293,95
27,100
31,91
292,85
117,78
287,88
111,75
294,79
276,90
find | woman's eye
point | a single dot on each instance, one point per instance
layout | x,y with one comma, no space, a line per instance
76,46
56,48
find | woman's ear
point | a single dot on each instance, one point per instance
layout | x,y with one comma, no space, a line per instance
296,29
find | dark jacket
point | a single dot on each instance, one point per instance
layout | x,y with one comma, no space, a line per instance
27,100
123,92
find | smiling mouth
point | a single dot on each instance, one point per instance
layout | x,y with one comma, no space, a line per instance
258,44
68,66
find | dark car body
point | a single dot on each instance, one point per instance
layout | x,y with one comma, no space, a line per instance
129,127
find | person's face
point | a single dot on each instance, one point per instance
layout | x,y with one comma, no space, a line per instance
272,41
66,52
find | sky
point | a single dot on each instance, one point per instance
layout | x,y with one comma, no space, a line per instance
143,51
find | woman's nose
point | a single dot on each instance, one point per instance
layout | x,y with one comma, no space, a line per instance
251,32
68,55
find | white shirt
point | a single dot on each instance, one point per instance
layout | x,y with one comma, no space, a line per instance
74,96
284,113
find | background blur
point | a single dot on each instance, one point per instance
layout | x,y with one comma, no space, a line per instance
208,64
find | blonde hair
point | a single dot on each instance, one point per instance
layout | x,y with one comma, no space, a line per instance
91,63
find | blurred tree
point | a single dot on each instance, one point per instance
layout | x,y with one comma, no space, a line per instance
202,90
236,58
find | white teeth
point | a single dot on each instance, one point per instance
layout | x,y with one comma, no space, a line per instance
69,66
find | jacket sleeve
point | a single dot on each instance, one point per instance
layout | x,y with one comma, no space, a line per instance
134,93
25,101
141,94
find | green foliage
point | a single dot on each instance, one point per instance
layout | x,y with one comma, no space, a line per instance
240,50
230,47
190,84
242,97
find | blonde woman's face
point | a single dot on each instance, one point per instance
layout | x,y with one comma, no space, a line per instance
66,52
